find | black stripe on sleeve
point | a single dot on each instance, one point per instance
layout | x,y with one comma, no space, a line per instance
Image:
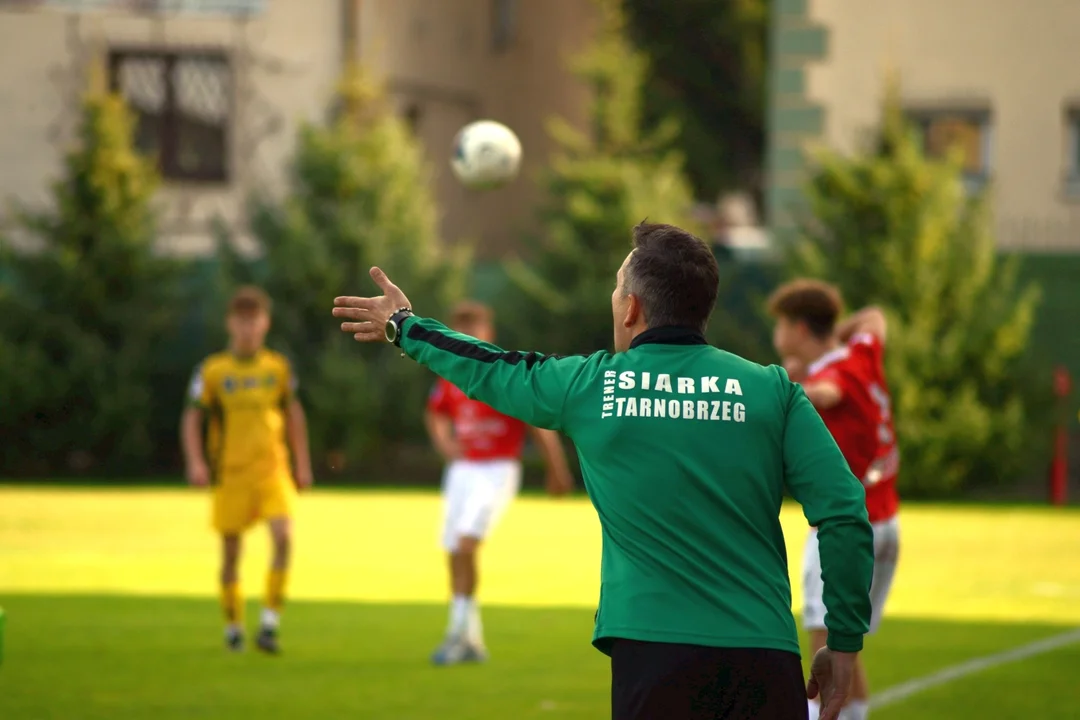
473,350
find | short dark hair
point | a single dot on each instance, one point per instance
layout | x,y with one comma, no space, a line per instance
249,300
468,312
813,302
675,276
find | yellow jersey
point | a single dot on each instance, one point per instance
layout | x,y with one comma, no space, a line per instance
246,400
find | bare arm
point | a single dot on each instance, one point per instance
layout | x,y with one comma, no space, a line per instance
296,430
560,480
823,394
191,441
440,429
870,320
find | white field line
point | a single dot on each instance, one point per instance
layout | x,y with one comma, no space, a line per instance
903,691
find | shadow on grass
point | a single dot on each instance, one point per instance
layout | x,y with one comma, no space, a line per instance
124,657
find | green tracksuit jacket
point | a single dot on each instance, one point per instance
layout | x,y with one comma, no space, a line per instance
685,451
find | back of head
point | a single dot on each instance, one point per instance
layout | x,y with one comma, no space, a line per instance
674,275
816,304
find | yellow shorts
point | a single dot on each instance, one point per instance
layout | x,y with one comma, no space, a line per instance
240,502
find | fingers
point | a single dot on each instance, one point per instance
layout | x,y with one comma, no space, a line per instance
812,688
355,313
349,301
370,336
381,280
832,710
362,327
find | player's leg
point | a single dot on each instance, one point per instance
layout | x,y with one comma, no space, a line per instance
463,488
454,490
276,579
276,503
231,513
886,555
813,605
232,603
465,578
478,495
502,480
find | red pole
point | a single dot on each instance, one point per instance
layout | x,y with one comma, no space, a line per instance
1059,469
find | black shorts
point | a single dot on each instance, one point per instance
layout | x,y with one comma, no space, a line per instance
664,681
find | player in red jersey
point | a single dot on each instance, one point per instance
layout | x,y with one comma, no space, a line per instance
841,368
482,448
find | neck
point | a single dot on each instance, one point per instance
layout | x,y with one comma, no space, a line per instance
820,349
243,355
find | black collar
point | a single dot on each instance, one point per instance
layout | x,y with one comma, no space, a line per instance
669,335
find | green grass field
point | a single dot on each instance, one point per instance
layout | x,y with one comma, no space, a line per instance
112,614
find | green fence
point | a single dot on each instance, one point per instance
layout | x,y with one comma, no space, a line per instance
1056,336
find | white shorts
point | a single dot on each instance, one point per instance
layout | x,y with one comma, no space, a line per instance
475,495
886,553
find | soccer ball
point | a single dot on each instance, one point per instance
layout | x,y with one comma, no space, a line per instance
486,155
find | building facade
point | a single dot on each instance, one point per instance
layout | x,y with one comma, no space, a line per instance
996,79
220,87
997,82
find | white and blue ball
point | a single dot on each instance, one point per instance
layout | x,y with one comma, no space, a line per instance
487,155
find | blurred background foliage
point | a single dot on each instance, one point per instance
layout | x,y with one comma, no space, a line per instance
99,333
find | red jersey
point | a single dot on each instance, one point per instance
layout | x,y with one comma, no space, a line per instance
482,433
861,423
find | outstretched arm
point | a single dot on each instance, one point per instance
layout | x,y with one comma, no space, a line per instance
870,320
528,386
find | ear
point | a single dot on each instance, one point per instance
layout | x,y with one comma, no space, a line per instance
635,312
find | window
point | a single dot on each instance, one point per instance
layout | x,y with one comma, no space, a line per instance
969,131
504,24
1072,151
182,102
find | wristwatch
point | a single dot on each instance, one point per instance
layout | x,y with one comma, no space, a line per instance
393,325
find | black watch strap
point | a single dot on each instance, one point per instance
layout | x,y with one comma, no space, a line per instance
395,321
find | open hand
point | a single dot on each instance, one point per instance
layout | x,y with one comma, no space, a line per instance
830,676
366,316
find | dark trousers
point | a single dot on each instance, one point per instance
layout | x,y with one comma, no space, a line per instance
665,681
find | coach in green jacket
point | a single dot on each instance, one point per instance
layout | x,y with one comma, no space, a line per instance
685,451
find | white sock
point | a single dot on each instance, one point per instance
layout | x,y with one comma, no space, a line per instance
270,618
855,710
232,629
814,708
459,615
474,629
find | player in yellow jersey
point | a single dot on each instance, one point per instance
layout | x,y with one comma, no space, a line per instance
247,397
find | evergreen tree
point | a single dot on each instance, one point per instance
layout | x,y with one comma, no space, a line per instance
359,194
896,228
600,184
83,309
708,70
